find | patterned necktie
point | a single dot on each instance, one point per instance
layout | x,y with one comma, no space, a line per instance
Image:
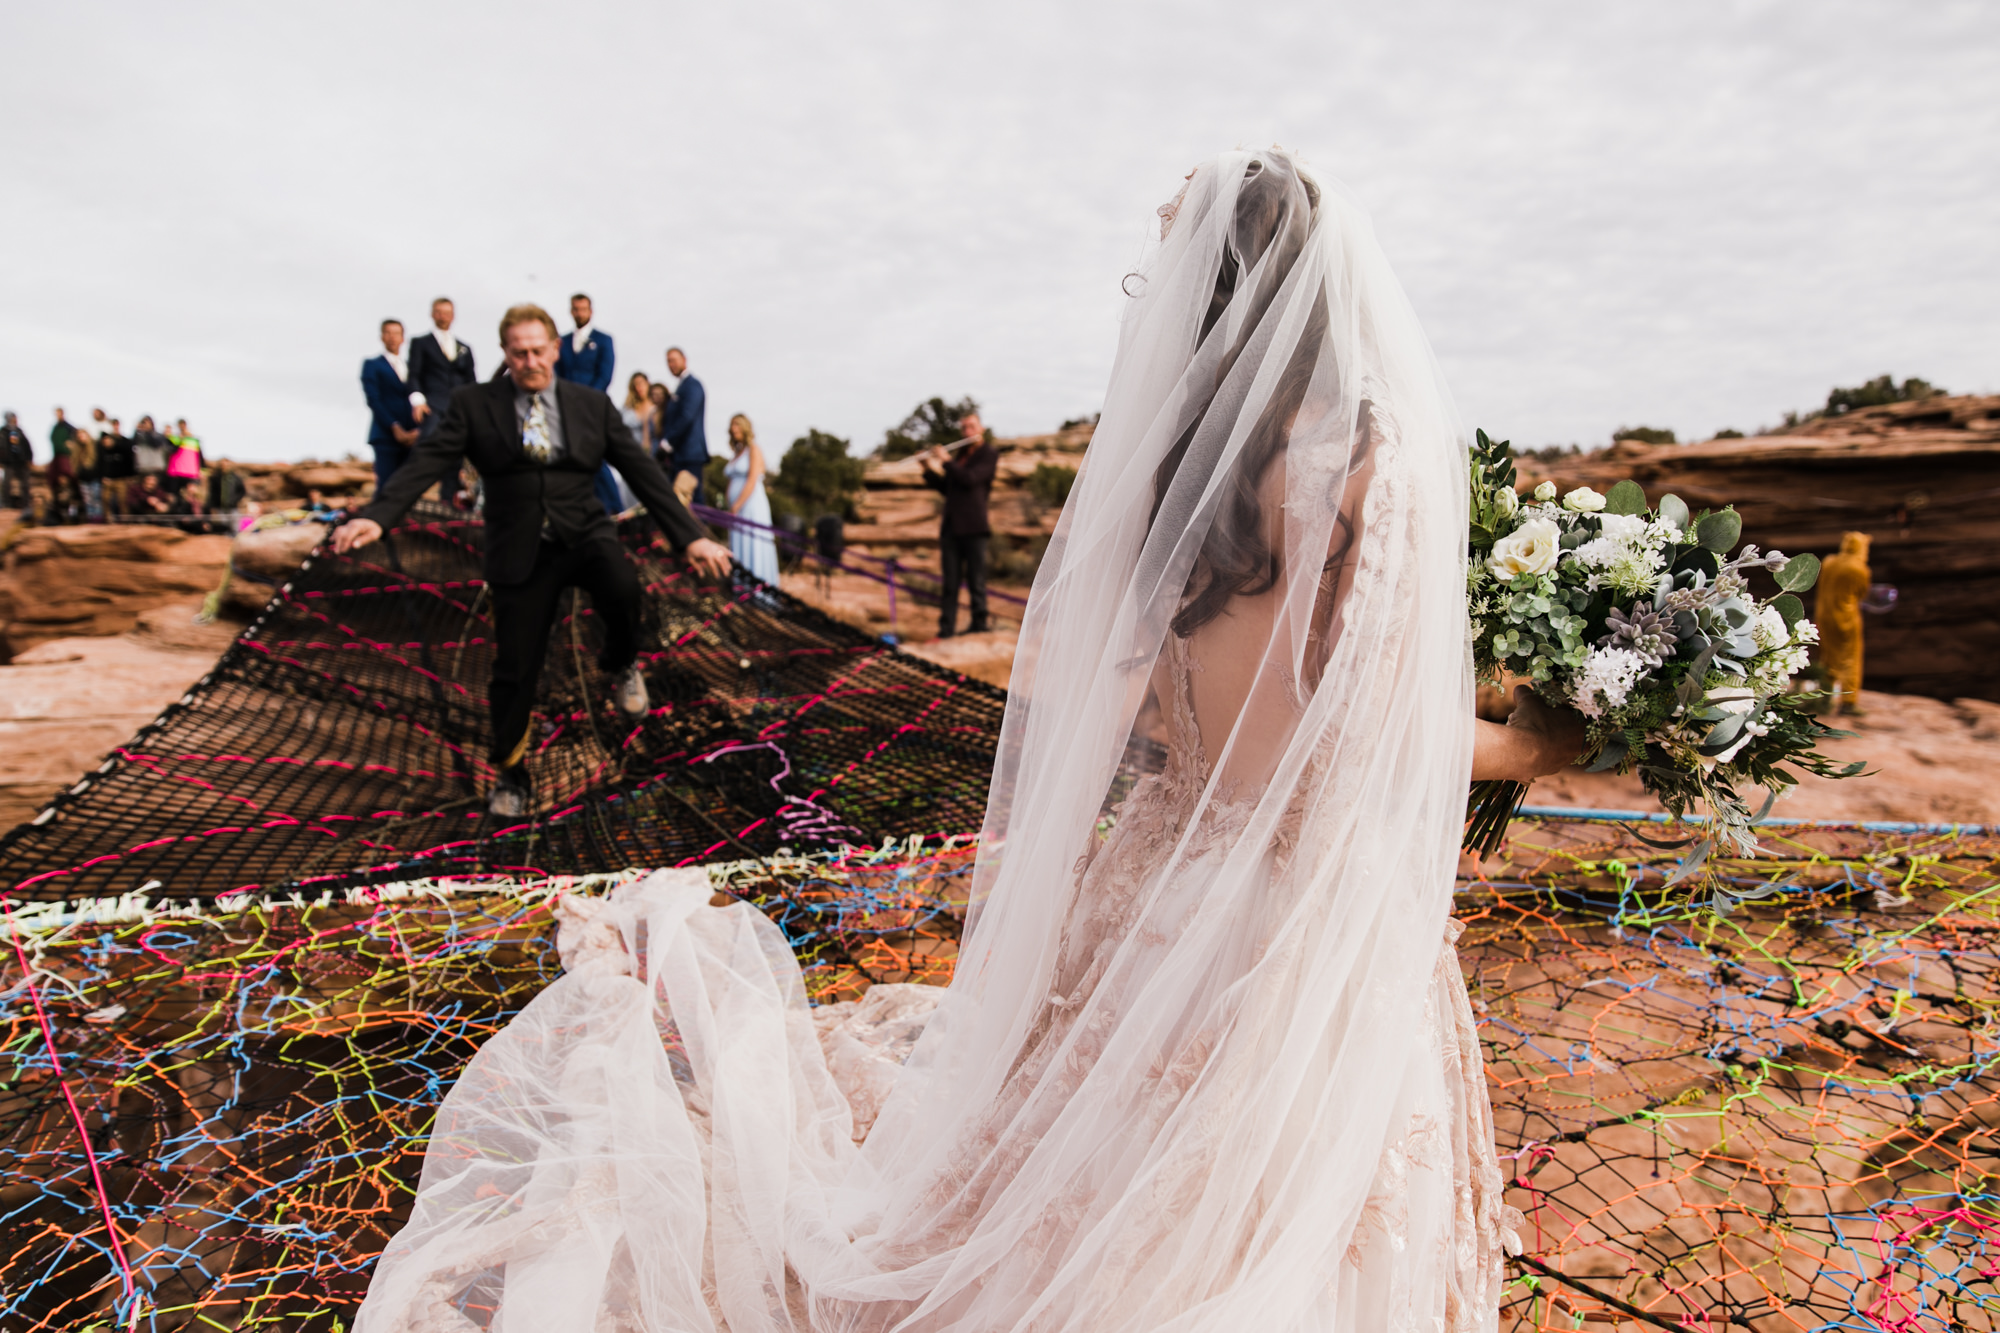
535,432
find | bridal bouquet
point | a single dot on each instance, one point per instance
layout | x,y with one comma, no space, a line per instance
1643,620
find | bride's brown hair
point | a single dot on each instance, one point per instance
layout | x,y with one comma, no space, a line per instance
1276,208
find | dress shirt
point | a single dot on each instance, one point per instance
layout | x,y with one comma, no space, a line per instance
580,337
398,362
448,343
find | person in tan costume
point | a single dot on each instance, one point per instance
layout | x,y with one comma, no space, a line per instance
1843,582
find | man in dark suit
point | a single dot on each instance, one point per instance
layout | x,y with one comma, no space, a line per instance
587,357
964,530
538,443
392,417
684,426
440,365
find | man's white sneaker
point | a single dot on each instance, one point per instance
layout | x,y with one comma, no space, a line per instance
628,693
509,800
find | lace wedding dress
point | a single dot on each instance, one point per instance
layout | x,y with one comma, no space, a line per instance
1207,1061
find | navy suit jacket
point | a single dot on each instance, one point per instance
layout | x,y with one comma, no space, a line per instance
388,400
683,424
592,366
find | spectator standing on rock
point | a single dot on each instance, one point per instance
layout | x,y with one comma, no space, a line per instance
17,459
88,475
964,531
149,453
184,466
440,365
385,382
60,435
117,465
684,425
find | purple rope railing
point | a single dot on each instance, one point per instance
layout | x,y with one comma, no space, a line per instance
802,545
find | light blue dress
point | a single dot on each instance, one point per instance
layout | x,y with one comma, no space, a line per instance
754,549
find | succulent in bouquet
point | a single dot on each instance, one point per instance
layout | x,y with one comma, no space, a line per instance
1643,620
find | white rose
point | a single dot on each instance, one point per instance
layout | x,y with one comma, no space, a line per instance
1532,548
1545,492
1583,500
1505,502
1769,630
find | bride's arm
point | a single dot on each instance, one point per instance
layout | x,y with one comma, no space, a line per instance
1535,741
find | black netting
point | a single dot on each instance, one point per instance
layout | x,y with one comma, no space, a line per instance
343,739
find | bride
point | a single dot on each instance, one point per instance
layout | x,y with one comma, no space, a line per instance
1207,1062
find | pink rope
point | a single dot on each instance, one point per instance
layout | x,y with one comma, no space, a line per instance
76,1116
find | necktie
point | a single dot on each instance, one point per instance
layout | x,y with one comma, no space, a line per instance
535,432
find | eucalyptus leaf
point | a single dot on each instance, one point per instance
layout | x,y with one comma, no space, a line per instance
1799,573
1674,510
1696,682
1720,531
1627,497
1699,558
1691,864
1724,733
1790,607
1609,757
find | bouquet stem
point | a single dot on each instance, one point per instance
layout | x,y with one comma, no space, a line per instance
1488,811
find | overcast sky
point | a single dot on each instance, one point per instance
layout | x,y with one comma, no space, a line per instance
1692,215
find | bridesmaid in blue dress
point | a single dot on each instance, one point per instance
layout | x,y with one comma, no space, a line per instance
753,548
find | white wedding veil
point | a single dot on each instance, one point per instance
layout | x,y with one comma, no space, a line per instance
1186,1040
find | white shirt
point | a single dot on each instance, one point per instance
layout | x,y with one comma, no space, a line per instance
399,363
580,337
448,343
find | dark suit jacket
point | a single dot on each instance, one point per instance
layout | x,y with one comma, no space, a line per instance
591,366
479,426
684,424
436,377
388,399
965,482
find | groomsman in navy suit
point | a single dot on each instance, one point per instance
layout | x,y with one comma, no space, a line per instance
586,357
392,426
440,365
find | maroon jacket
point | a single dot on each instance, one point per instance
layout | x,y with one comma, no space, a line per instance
965,482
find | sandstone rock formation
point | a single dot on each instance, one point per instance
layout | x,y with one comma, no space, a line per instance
1921,478
58,583
67,703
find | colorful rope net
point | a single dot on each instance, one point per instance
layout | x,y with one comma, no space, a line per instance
343,740
215,1098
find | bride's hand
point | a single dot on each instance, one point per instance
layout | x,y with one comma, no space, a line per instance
1536,740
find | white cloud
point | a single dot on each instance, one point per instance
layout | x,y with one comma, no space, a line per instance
1693,216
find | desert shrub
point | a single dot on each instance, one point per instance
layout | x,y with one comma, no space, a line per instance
1549,453
1050,483
714,483
1014,559
1643,434
1729,433
1072,423
933,422
1877,392
817,476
